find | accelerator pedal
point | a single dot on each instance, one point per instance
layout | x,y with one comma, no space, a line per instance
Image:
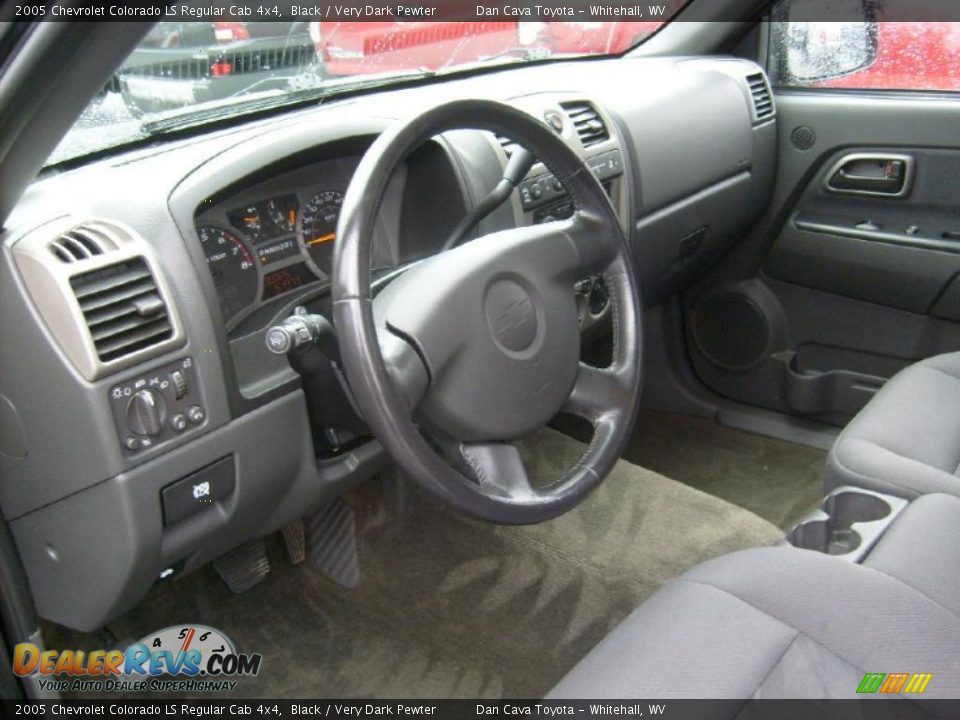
294,537
243,567
331,534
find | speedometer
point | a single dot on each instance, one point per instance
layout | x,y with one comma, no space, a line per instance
317,229
232,267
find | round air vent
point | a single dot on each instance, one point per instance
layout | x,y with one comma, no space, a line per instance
731,329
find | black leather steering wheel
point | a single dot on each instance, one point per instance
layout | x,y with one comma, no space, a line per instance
480,345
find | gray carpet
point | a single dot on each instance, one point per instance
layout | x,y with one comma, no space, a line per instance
778,480
452,607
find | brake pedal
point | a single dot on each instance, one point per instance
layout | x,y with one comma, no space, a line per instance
331,535
243,567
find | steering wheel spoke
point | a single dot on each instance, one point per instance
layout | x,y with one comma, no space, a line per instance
408,374
597,391
596,245
498,470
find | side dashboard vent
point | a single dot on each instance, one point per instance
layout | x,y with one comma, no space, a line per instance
762,100
123,309
587,122
83,242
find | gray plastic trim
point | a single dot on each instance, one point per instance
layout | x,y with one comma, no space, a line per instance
47,279
847,515
850,231
107,565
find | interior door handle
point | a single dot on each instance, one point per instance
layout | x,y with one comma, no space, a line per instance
881,174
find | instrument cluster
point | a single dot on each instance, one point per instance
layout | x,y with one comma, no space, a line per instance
276,237
272,246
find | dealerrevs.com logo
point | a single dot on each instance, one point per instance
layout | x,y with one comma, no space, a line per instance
180,658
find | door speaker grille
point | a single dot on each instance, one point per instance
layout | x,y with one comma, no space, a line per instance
731,330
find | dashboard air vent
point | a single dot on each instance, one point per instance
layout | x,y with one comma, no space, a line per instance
586,120
83,242
123,309
760,92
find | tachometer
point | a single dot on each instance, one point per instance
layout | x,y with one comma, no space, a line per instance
232,267
318,228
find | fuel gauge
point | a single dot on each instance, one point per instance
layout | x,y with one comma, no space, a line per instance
283,213
249,220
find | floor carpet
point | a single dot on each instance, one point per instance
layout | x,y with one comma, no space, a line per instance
779,481
452,607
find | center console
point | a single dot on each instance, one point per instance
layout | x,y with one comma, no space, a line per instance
847,524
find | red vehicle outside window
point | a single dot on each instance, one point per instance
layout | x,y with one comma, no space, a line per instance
354,48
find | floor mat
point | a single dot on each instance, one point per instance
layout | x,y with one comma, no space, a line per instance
778,480
452,607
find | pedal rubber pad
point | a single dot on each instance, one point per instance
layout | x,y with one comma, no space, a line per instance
243,567
294,537
331,533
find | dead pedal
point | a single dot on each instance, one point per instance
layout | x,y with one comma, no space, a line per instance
243,567
294,537
331,535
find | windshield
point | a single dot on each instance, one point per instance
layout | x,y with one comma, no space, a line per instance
185,73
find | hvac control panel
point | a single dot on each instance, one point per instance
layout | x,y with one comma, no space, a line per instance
547,188
157,406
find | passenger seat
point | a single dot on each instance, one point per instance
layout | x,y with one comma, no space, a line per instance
906,440
780,622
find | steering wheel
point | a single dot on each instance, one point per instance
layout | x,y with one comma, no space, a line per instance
480,345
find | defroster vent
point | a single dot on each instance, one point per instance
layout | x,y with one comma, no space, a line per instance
82,242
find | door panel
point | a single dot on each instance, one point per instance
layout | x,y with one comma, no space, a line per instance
898,250
843,288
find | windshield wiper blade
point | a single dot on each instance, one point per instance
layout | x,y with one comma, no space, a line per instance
243,105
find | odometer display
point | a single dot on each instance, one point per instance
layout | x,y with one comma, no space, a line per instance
232,268
318,228
286,279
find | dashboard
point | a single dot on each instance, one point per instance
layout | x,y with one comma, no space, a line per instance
136,292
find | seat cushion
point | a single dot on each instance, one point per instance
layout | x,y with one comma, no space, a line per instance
921,549
906,440
773,623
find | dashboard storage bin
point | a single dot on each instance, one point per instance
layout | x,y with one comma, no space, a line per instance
847,524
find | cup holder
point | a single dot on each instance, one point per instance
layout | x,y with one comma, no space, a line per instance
849,507
823,536
847,523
